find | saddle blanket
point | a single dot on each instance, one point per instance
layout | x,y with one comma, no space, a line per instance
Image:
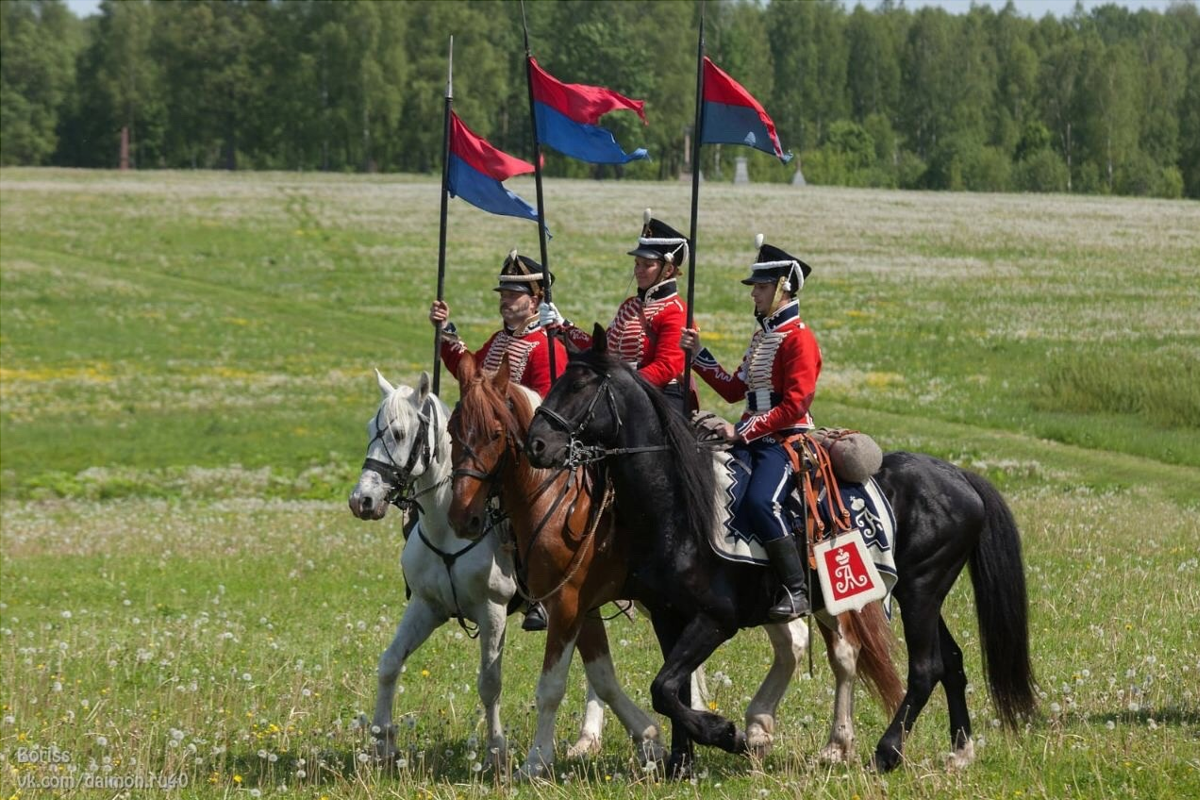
870,513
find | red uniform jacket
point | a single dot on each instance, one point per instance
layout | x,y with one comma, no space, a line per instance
645,333
778,375
528,355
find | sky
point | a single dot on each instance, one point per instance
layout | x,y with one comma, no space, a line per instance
1029,8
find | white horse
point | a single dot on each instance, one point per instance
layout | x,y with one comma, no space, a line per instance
408,463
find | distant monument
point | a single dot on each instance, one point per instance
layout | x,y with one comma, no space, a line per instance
798,178
740,172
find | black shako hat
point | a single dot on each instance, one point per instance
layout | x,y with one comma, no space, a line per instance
660,242
772,264
521,274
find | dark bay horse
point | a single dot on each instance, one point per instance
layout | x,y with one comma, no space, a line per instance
577,560
947,518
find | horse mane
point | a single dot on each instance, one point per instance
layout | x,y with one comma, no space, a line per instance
481,401
692,466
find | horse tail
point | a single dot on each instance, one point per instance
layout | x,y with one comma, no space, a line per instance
869,627
1001,607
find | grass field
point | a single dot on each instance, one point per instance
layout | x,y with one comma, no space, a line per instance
185,374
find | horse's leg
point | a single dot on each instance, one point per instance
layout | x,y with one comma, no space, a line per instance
419,620
843,660
920,618
954,681
597,660
493,618
561,631
700,695
592,727
789,640
690,648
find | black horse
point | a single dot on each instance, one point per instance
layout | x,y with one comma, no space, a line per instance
665,496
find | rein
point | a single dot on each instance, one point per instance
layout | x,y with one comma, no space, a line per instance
510,456
400,479
448,560
400,482
578,453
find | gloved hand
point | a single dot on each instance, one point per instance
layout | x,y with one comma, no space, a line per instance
548,315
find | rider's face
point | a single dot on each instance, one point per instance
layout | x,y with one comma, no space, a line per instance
763,294
648,271
516,307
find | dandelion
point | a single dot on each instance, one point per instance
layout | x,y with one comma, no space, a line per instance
246,677
363,758
1055,708
1134,706
1110,725
237,779
66,615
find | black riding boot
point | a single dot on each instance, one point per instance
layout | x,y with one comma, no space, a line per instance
535,618
789,568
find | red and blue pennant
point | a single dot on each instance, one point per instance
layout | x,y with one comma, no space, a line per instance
477,170
568,113
733,116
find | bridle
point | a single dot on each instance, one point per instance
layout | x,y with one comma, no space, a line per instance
579,453
399,479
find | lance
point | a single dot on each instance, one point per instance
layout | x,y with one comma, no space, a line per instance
441,276
697,131
537,178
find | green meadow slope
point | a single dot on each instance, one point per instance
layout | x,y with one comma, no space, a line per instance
185,376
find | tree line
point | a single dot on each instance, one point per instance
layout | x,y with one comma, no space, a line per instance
1100,101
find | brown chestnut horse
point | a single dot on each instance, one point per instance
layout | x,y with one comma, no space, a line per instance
576,560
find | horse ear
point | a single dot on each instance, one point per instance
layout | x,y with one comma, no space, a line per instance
599,339
385,388
572,348
423,387
466,369
503,375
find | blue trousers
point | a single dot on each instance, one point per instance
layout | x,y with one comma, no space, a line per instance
760,511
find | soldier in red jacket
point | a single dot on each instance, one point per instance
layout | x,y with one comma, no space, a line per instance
646,328
522,339
778,379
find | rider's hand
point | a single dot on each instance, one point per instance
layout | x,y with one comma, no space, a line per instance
729,432
439,312
548,316
689,340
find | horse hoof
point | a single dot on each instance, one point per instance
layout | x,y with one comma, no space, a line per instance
588,745
650,750
530,772
679,767
498,753
833,753
885,759
961,758
758,742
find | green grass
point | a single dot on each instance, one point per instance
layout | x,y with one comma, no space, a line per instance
185,375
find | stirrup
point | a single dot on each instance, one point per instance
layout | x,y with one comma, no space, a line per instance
535,619
792,605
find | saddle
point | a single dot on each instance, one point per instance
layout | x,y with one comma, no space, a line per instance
816,480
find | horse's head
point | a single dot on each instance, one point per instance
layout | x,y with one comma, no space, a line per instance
582,407
404,438
485,429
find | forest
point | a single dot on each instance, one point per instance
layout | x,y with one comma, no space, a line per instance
1101,101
